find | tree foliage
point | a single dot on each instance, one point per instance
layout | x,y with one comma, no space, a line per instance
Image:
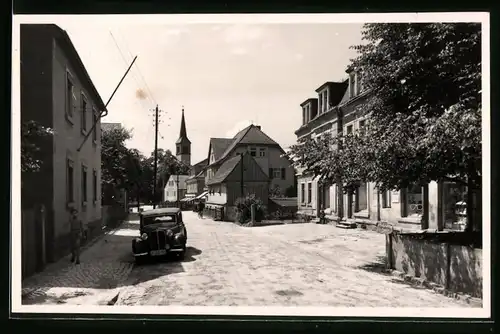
32,133
424,108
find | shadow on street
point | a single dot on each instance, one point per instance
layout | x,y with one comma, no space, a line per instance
379,266
154,268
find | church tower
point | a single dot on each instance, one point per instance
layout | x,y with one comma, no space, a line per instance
183,145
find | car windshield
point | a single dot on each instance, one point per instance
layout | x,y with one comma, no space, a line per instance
159,219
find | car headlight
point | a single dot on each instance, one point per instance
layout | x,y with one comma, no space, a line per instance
144,236
170,233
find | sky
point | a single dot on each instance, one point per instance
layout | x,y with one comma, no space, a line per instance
225,75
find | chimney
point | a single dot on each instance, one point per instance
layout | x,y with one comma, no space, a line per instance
258,127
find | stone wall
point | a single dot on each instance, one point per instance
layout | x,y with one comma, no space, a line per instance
453,266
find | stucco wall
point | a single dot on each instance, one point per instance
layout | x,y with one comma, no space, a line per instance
68,137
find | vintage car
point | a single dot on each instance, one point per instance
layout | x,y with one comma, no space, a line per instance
162,231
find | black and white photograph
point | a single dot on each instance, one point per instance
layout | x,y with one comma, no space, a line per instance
264,164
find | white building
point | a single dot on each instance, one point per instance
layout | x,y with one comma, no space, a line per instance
176,188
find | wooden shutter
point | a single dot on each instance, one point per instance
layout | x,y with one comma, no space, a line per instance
270,173
283,173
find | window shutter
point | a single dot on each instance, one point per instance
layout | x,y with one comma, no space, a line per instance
270,173
283,173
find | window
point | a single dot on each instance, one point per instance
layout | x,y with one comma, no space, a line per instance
320,103
361,203
262,152
84,185
302,192
349,129
94,185
70,95
309,193
253,151
325,100
352,78
171,183
276,173
413,201
362,124
69,181
454,206
326,197
95,119
83,113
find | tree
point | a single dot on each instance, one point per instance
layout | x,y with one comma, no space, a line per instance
424,111
116,162
31,135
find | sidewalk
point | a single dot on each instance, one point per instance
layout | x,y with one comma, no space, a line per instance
105,263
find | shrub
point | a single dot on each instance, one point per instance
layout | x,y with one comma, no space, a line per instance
243,208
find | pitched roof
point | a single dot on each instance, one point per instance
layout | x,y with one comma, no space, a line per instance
192,177
201,163
252,134
225,169
219,145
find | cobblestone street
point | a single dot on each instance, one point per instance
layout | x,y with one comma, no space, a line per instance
225,264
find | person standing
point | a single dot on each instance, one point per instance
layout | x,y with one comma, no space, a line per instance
201,206
76,233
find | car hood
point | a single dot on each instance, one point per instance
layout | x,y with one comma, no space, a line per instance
159,226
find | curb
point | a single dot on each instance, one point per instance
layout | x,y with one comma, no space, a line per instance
422,282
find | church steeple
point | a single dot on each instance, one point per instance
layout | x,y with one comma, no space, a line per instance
183,144
183,126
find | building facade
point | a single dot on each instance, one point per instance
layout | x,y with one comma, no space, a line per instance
176,188
437,205
196,181
57,92
266,152
239,176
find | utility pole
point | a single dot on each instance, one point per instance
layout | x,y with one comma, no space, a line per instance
155,157
178,203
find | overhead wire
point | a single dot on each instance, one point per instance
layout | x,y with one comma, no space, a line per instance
150,93
132,72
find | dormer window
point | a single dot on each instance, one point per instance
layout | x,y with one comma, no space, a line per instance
323,101
355,83
352,84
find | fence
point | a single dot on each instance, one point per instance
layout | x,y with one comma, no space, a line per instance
444,259
112,215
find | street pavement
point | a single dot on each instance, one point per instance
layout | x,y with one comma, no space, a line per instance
230,265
